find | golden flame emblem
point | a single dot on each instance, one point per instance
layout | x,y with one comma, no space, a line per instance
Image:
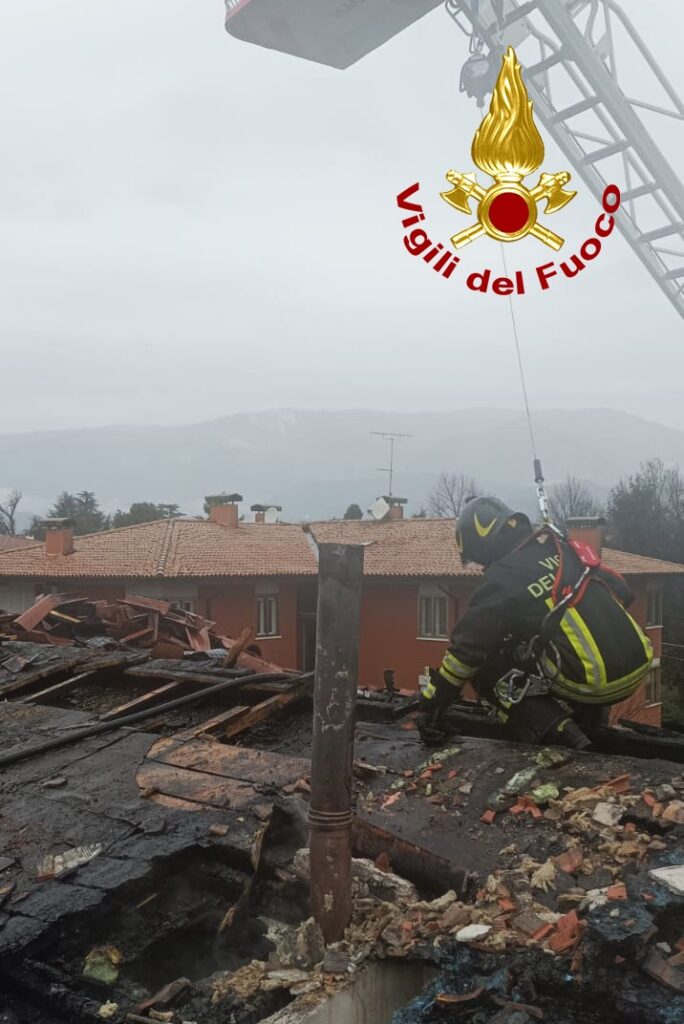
508,147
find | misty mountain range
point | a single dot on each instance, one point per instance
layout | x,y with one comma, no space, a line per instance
315,463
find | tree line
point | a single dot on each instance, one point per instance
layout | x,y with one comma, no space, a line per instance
85,511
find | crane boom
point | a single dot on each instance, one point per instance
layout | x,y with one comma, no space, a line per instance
596,123
573,72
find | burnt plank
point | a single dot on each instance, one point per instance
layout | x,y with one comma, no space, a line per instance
257,766
198,787
59,688
138,703
260,712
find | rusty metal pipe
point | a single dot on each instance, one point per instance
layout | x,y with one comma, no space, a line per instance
340,578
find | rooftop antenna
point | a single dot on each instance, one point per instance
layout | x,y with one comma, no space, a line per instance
390,436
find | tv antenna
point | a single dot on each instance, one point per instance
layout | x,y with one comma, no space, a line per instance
390,436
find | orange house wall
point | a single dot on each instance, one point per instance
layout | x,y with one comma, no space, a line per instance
91,589
389,634
232,606
389,639
635,707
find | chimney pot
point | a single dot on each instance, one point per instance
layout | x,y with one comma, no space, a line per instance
396,506
587,529
223,509
261,510
59,536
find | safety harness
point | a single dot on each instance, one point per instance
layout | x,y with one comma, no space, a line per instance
539,659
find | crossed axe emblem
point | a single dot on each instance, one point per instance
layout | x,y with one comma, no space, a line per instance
507,211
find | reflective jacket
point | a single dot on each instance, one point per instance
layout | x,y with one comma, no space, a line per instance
603,653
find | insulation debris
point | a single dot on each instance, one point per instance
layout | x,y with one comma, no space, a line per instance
57,865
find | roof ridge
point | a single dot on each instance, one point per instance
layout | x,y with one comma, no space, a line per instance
120,529
636,554
28,542
165,549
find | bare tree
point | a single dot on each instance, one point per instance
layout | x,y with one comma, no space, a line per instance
8,513
450,494
572,498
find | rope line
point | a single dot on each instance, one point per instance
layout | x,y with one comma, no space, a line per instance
521,368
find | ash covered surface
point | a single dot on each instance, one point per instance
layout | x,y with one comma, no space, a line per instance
557,914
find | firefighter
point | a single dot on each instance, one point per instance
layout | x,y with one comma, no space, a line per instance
547,632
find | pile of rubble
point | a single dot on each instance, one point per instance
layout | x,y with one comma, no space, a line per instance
618,877
165,629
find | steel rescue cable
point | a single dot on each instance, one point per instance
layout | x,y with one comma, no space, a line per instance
542,496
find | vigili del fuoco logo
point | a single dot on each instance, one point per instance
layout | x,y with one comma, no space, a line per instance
507,147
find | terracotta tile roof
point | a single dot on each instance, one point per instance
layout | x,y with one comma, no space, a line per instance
253,549
186,548
9,543
426,547
638,565
172,548
402,547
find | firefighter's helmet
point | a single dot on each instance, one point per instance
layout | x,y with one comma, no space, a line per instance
487,529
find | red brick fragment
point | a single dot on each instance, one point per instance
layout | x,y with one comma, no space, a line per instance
568,922
570,861
648,798
489,817
383,863
620,784
617,892
561,943
657,967
528,805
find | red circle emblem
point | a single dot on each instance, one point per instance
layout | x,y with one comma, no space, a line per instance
509,213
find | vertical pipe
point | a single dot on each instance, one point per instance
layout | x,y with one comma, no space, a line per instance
340,579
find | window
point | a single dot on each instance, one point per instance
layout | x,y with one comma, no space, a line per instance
185,606
654,608
46,588
652,687
432,616
267,616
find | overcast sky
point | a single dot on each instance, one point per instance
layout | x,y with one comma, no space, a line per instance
193,226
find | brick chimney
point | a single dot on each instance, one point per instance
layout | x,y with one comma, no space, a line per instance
396,506
261,510
588,530
223,509
59,536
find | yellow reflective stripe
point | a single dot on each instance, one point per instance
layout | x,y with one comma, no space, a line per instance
648,646
585,633
597,689
584,646
453,667
429,691
612,693
450,677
